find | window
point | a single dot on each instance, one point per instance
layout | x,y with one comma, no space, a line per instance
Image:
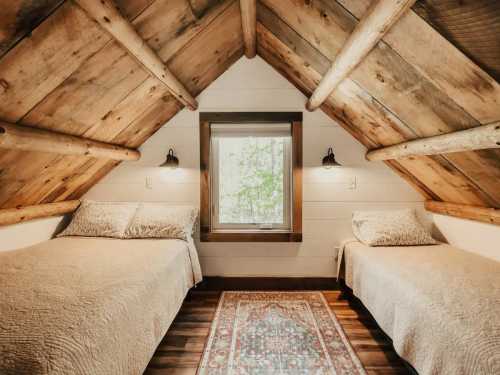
251,176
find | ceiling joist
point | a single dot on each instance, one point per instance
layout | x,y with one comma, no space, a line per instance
9,216
106,13
377,21
249,25
16,137
478,138
484,214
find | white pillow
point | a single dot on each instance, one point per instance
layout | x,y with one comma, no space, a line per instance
101,219
390,228
159,220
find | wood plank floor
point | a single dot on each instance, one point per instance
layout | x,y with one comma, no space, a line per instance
181,349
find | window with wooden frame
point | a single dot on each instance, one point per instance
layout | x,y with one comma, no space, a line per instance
251,176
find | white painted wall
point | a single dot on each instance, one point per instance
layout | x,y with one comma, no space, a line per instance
330,196
29,233
481,238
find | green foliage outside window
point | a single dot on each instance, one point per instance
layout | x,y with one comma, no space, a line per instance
251,176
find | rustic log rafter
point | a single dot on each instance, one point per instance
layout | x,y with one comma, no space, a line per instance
249,26
484,214
478,138
16,215
106,14
24,138
378,20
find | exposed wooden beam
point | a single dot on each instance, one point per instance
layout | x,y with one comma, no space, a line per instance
106,13
249,25
378,20
16,137
478,138
10,216
484,214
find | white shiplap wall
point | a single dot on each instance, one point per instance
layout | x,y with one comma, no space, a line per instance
330,196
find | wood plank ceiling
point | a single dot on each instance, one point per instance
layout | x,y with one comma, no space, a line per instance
59,70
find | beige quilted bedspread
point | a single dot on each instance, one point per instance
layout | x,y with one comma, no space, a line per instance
89,305
440,305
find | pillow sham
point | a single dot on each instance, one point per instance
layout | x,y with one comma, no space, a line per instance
101,219
157,220
390,228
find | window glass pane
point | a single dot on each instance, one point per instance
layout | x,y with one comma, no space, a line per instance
251,179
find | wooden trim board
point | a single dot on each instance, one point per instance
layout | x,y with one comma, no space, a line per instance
206,233
218,283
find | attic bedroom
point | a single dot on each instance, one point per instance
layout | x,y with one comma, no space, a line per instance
212,187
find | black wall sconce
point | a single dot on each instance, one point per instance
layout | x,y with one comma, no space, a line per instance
172,161
329,160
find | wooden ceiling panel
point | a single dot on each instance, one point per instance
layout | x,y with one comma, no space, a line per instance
432,55
472,26
109,97
90,93
193,64
420,106
41,62
356,109
20,17
66,74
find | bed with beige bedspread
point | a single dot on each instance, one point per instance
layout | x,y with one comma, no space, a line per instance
90,305
440,305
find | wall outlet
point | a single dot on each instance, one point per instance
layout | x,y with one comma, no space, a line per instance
149,183
352,184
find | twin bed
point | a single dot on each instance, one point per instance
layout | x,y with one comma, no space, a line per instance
81,305
440,305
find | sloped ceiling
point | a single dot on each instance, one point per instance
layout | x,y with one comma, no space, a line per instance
59,70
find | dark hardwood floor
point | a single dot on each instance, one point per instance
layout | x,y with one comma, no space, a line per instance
181,349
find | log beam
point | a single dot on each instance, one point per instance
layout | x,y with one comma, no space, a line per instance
378,20
106,13
16,215
16,137
249,26
484,214
478,138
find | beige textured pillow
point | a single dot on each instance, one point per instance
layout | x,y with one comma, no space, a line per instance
390,228
101,219
159,220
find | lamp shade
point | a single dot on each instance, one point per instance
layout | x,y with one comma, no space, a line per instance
172,161
329,160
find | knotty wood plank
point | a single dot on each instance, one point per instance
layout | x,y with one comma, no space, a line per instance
41,62
376,21
108,16
19,17
225,50
363,113
419,44
422,108
119,112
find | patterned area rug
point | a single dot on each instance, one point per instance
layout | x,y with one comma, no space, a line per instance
289,333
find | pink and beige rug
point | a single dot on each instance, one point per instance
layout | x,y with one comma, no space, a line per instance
266,333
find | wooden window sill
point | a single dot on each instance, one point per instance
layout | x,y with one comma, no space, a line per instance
250,237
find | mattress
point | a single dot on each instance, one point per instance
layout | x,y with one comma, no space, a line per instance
440,305
77,305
